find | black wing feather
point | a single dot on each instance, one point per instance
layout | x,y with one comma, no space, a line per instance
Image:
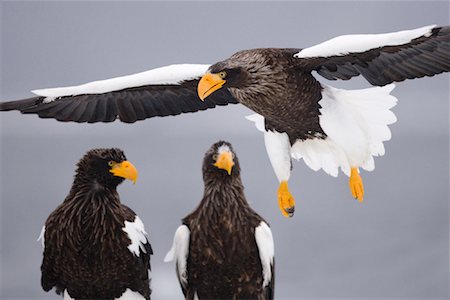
129,105
423,56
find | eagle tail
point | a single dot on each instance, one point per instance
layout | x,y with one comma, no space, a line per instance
356,123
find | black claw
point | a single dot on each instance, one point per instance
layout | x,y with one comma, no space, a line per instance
290,211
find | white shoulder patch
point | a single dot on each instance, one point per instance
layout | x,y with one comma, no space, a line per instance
136,233
180,251
42,237
264,240
355,43
172,74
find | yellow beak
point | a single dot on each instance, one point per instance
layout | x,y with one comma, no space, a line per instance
208,84
225,161
125,170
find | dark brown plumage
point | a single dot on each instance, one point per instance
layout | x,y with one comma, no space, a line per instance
224,260
86,238
272,83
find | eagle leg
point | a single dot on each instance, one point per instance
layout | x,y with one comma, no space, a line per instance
356,184
286,201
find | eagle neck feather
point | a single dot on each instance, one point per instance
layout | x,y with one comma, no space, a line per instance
87,217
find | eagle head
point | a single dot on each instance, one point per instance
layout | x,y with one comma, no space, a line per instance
106,167
221,162
247,74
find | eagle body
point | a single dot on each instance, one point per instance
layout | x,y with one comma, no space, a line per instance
285,95
233,258
94,246
224,257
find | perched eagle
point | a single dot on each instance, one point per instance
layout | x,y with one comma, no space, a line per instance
94,246
301,118
224,250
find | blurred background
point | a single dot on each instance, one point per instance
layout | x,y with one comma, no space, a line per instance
394,245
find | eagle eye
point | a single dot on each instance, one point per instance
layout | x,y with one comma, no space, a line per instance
222,74
110,163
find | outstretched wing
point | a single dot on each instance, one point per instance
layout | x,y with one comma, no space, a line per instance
165,91
382,58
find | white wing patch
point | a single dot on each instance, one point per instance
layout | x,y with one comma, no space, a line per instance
346,44
136,233
266,248
172,74
42,237
180,251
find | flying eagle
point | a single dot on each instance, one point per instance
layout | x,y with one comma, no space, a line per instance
94,246
224,250
301,118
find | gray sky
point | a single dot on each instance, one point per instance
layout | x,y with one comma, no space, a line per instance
395,245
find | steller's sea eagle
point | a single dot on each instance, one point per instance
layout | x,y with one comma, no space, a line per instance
224,249
94,246
301,118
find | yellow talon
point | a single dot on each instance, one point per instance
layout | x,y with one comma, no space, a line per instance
285,200
356,185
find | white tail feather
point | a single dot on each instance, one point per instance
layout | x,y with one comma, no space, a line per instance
356,124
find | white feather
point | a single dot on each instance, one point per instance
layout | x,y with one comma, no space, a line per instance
223,148
172,74
67,296
127,295
258,120
356,124
137,235
325,155
278,148
42,237
266,248
131,295
346,44
180,251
